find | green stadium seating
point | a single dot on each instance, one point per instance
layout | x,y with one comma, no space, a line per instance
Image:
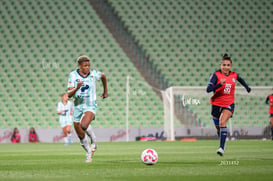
41,40
40,43
197,31
185,37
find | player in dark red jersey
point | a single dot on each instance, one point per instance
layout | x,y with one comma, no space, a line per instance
222,83
269,100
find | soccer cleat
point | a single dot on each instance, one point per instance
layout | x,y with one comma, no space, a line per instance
220,152
93,148
89,156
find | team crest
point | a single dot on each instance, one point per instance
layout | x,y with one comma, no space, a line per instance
233,80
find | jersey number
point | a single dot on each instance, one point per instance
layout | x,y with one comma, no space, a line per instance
227,89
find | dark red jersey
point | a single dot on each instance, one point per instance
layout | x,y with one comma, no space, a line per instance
32,137
224,95
270,101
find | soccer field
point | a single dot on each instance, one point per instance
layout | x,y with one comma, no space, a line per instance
244,160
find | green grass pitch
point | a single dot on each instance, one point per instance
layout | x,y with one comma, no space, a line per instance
243,160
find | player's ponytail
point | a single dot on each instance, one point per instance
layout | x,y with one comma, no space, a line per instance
226,57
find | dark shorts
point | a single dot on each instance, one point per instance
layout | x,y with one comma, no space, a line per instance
270,115
217,110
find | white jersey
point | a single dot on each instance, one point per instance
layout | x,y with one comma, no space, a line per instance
86,95
65,118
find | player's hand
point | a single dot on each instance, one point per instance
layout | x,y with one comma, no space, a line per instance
248,89
223,81
79,84
104,95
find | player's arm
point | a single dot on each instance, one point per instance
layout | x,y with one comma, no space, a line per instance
72,90
60,112
104,84
212,86
267,100
243,82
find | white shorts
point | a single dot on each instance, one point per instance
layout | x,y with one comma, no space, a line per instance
77,113
64,121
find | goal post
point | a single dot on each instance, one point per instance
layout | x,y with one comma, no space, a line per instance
193,105
143,107
169,102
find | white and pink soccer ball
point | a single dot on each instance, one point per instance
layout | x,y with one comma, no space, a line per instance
149,156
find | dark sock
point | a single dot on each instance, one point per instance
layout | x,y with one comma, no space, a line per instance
272,132
223,136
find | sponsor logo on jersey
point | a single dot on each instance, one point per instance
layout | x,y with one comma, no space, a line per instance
227,89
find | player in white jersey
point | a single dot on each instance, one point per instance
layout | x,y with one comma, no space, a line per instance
82,85
64,109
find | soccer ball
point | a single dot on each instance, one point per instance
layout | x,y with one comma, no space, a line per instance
149,156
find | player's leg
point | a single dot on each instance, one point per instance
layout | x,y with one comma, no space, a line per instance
89,131
216,124
225,115
91,111
87,117
216,112
68,129
65,135
63,126
271,124
83,138
77,117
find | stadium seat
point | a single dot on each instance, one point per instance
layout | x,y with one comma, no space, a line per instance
180,38
208,33
46,47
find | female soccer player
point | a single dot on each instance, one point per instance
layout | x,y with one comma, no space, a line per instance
222,83
15,137
65,111
82,85
32,136
269,100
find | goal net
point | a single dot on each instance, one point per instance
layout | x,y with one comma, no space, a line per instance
191,107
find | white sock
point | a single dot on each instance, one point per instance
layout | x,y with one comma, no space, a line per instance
89,131
69,135
66,139
85,144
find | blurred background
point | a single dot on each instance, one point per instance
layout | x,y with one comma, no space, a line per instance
149,45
